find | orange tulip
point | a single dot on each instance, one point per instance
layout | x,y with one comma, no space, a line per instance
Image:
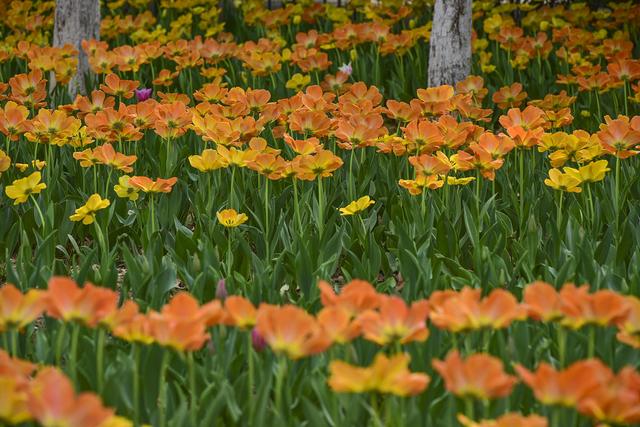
510,96
507,420
356,296
394,321
113,85
479,375
182,323
53,402
89,304
107,155
239,312
131,325
425,135
14,383
616,400
338,324
148,185
291,330
629,325
385,375
18,310
580,308
466,310
618,137
542,302
565,387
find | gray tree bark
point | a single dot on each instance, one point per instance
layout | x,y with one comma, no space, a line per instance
450,45
77,20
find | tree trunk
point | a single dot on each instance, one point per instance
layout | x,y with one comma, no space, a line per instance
450,45
77,20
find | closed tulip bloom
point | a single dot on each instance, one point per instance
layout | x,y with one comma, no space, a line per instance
385,375
22,188
479,375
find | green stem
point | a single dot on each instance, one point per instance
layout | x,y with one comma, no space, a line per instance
162,388
14,342
192,390
266,219
250,377
152,207
59,342
562,345
73,356
35,203
233,191
282,369
559,212
376,411
617,191
320,208
352,191
592,342
102,243
468,407
100,359
296,205
229,271
626,101
521,159
136,383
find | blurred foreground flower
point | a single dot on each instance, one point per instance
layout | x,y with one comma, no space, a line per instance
385,375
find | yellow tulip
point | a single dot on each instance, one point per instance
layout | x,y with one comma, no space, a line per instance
357,206
22,188
231,218
87,213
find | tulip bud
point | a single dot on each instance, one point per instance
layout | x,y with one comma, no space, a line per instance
257,341
221,290
143,94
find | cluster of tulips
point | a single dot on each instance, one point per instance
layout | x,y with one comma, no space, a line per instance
358,310
266,149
